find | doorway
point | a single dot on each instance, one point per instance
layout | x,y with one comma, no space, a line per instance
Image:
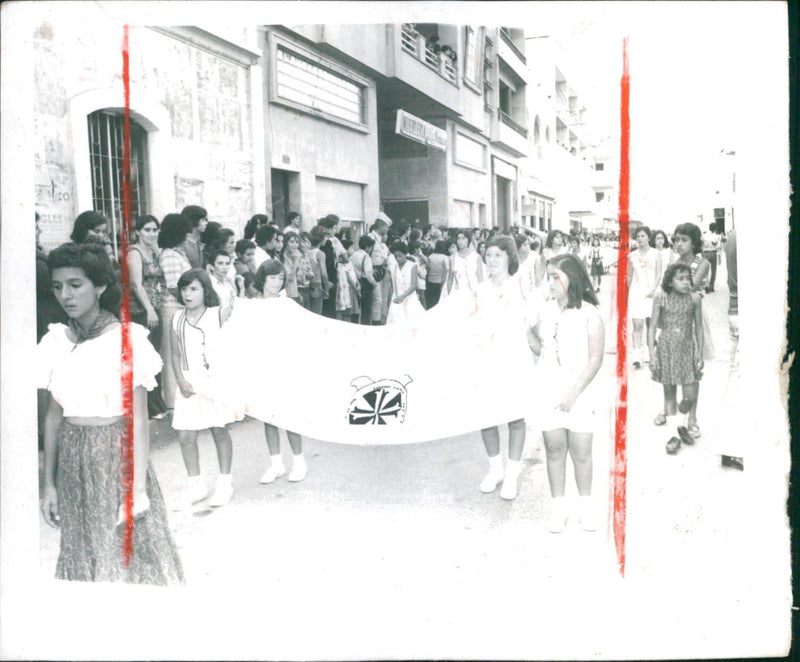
285,194
410,210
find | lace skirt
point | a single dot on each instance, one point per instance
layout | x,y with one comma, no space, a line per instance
89,485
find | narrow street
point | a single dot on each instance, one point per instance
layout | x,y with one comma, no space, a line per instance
407,524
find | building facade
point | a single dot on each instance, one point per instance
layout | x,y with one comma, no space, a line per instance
420,121
559,192
196,123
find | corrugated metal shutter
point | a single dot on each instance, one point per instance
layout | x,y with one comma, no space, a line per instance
345,199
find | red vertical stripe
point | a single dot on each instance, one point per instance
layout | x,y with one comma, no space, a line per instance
621,410
125,314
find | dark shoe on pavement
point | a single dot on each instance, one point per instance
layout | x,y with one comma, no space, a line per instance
686,438
733,462
673,445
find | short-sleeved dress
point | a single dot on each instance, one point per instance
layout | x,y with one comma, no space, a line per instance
676,348
640,306
84,379
198,349
565,355
401,281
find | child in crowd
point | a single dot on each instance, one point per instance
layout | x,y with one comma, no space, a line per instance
219,269
677,358
418,249
688,244
596,262
570,340
347,289
245,257
194,338
405,304
319,286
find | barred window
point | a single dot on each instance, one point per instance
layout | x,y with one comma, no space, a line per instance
106,136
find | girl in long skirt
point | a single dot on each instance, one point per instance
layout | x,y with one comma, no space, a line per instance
79,364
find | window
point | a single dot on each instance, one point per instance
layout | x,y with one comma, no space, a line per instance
306,83
473,56
505,98
106,137
599,166
599,196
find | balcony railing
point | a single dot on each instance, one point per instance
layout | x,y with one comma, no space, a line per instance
506,119
413,43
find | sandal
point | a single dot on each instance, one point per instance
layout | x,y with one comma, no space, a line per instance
685,405
673,445
694,430
686,438
660,419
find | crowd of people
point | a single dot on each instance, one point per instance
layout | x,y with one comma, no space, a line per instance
186,274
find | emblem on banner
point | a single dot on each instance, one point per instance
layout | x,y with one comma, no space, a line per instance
378,402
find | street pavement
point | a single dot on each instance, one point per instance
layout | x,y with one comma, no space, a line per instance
409,522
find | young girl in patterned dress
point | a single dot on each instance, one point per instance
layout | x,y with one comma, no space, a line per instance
195,336
678,357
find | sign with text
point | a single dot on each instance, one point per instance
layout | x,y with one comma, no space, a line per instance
413,127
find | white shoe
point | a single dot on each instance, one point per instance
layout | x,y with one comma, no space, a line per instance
511,480
298,472
558,517
490,482
222,495
509,489
272,473
197,490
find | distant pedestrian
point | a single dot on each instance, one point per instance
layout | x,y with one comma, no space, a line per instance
662,244
245,257
711,252
173,262
644,276
676,357
147,288
596,261
320,286
197,218
362,263
89,223
437,273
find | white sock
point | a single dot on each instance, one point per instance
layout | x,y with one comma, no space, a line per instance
277,461
496,464
513,468
195,481
298,460
224,480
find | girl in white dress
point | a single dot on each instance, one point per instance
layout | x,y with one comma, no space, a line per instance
503,300
405,303
665,252
643,279
195,339
466,268
570,341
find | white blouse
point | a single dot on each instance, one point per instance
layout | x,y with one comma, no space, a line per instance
85,378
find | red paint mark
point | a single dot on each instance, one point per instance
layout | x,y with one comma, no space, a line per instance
125,315
619,470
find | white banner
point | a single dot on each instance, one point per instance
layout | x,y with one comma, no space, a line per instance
413,127
452,370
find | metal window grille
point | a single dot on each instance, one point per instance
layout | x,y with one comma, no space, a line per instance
106,136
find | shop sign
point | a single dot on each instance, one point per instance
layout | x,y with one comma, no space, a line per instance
414,128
